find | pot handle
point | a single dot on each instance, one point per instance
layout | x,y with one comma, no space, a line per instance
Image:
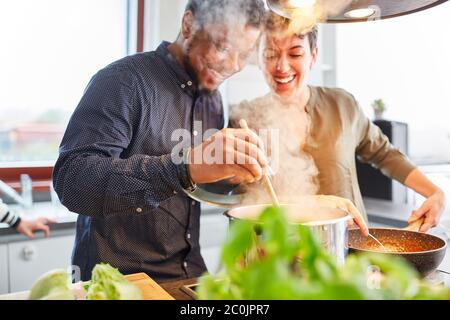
226,200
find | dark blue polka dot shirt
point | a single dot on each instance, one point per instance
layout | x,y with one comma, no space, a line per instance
115,168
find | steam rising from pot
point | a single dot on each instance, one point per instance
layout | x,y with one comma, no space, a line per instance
295,173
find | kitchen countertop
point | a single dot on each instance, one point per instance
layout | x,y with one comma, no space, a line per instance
66,220
379,211
388,213
65,225
392,214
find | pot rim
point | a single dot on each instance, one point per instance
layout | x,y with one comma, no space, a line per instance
309,224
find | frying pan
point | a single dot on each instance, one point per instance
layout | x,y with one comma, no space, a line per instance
423,251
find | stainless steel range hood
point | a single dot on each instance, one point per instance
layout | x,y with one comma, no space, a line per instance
353,11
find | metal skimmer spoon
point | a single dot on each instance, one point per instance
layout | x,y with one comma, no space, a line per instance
378,241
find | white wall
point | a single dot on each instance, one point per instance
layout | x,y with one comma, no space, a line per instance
171,14
404,61
162,21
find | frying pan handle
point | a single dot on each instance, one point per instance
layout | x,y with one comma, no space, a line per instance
415,226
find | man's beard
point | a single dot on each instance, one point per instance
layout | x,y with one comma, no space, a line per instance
188,66
190,70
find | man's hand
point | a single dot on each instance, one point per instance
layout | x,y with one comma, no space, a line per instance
28,227
234,154
432,209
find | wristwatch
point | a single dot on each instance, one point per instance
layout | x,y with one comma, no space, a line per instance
183,171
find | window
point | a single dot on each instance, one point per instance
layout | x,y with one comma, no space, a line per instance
50,50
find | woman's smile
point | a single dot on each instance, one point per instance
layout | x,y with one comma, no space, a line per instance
284,82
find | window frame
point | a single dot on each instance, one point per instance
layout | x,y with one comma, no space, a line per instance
39,172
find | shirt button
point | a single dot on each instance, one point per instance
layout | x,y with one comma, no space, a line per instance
138,210
188,236
195,132
189,83
193,203
183,86
185,264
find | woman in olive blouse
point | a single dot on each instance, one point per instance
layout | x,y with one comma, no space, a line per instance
335,128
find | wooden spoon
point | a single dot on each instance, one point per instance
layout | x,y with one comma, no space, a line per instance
266,179
415,225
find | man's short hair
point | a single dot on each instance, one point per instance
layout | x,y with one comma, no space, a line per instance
250,12
278,24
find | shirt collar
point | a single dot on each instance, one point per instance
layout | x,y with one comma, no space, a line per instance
185,81
312,100
309,105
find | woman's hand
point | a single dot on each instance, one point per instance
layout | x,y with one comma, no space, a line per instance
343,204
431,209
28,227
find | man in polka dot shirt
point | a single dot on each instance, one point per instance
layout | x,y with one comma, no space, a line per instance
122,167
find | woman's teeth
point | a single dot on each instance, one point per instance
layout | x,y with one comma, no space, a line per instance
284,79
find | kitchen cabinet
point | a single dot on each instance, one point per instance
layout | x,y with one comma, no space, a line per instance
211,256
4,279
27,260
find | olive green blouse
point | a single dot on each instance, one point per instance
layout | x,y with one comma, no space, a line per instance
338,131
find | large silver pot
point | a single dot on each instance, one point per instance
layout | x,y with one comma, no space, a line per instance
328,224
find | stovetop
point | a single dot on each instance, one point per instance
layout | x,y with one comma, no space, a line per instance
439,277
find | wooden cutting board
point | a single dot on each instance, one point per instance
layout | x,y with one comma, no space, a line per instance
150,289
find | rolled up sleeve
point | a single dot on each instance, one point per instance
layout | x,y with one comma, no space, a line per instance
374,148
